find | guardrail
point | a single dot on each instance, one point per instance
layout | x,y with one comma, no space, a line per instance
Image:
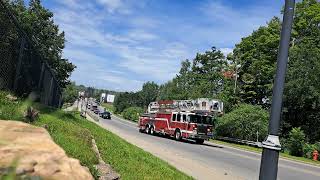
240,141
92,115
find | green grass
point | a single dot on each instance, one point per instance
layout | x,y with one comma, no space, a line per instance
130,161
285,155
12,109
75,140
73,134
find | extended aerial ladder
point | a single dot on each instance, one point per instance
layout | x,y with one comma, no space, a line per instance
200,104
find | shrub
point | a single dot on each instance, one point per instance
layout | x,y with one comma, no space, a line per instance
317,146
31,114
132,113
308,150
296,142
243,123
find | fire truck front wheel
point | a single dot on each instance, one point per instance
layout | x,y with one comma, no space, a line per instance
177,135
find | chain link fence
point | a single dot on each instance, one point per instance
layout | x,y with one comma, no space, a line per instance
22,68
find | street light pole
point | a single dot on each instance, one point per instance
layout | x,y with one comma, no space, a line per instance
235,81
271,146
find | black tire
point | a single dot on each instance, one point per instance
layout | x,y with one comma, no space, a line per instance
199,141
147,129
177,135
140,130
152,130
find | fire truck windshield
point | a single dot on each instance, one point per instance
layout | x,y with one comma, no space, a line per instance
200,119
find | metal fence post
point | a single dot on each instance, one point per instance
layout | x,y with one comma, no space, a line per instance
49,97
41,76
18,68
60,100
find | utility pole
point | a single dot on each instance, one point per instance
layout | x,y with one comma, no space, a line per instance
271,146
235,80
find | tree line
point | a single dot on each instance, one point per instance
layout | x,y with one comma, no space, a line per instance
71,92
37,22
253,63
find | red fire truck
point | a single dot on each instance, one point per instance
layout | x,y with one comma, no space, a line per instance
188,119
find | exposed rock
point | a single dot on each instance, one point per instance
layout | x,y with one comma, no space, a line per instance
105,170
36,154
11,97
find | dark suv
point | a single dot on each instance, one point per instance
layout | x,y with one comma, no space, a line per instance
105,115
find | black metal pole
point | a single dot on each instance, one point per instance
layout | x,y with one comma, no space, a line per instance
271,146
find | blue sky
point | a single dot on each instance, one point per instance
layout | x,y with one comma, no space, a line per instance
120,44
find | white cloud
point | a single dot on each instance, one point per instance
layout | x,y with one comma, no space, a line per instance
116,49
227,24
111,5
141,35
92,70
226,51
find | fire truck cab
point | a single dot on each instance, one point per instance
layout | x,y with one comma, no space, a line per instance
168,119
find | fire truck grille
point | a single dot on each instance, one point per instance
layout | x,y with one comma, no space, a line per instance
202,129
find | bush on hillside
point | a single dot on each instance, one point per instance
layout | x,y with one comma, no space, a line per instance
308,150
30,115
243,123
296,142
132,113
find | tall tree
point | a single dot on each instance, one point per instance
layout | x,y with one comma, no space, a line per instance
302,90
207,78
184,79
149,93
257,55
37,22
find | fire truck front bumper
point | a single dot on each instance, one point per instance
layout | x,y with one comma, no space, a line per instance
200,136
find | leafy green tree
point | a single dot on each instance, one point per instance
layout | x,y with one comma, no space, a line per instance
149,93
70,93
296,142
132,113
183,81
207,73
257,55
301,96
38,24
126,100
170,91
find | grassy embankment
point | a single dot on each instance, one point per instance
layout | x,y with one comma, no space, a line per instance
74,133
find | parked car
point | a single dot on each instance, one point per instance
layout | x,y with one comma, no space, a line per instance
105,115
96,111
94,107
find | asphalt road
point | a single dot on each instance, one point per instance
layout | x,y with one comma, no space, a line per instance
230,162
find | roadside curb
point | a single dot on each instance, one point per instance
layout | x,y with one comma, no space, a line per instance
259,154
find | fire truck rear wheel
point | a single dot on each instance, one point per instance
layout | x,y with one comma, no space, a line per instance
177,135
152,130
147,129
199,141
